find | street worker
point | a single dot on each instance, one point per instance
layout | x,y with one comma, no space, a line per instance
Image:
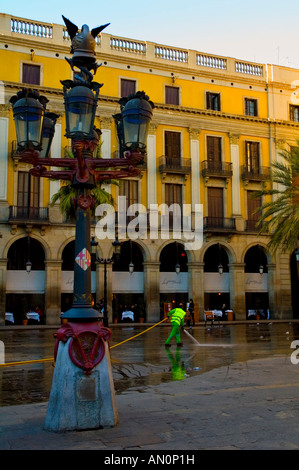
177,321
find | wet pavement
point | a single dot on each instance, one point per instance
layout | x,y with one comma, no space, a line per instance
143,360
230,387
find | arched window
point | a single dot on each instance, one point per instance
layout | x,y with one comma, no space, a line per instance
25,249
254,259
171,255
214,256
130,251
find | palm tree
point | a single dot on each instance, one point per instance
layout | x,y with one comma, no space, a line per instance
67,194
280,216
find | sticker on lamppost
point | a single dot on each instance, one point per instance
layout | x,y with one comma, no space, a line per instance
83,259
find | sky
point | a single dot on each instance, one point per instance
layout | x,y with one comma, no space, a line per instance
262,31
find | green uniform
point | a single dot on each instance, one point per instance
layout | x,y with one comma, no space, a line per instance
178,369
177,320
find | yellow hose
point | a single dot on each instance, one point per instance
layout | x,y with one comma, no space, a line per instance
51,359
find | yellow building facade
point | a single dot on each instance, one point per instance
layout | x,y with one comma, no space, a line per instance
218,125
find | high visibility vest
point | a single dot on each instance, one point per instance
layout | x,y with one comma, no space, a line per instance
177,316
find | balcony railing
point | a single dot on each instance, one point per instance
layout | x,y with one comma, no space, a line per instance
217,169
25,213
219,223
255,174
174,165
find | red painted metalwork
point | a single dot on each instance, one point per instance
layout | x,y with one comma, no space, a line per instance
87,344
81,167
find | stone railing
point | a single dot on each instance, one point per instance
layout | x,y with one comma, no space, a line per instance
114,45
167,53
213,62
249,68
31,28
127,45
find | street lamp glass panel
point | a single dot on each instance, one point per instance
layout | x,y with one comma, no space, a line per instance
135,131
28,266
80,111
93,245
261,269
131,267
117,247
137,114
28,115
48,131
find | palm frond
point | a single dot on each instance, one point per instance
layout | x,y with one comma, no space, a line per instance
280,215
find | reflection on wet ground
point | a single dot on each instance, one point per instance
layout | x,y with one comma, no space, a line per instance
143,360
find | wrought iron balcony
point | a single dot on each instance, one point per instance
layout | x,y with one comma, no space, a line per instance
26,214
216,169
174,165
261,173
219,223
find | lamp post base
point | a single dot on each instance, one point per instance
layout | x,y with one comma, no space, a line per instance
81,399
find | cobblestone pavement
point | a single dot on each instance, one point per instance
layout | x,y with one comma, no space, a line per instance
247,405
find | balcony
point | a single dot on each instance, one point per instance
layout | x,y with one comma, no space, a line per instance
177,165
216,169
219,224
26,214
261,173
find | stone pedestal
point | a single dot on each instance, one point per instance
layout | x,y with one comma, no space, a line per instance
79,401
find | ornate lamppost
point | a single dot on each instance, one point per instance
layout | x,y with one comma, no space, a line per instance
79,399
116,254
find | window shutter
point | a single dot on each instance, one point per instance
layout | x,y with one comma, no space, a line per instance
31,74
173,147
128,87
171,95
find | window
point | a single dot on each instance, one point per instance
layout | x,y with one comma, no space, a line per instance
250,107
28,195
252,155
171,95
173,147
253,204
215,206
294,113
127,87
129,188
214,152
213,101
31,74
173,195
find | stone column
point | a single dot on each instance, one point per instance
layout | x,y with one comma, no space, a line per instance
237,290
4,209
53,291
272,292
151,276
106,152
196,287
279,287
151,166
236,187
3,269
195,169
